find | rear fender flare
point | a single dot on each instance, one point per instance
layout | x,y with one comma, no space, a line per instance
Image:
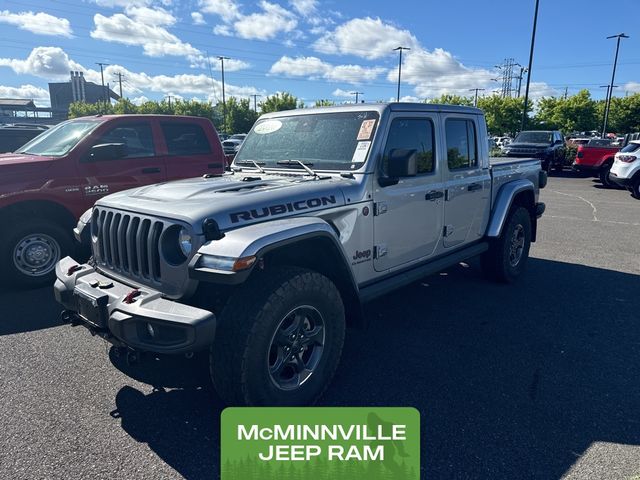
503,202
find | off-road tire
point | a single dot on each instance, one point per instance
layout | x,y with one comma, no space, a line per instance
496,262
12,275
239,356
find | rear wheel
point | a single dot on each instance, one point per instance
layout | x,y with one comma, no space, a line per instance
30,251
279,339
635,188
604,176
507,256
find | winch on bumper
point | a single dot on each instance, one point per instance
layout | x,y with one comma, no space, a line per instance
135,317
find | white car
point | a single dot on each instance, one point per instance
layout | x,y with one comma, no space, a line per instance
626,168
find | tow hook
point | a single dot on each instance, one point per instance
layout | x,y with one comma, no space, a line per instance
69,317
132,357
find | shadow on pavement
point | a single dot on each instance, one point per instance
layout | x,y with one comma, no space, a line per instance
28,310
511,381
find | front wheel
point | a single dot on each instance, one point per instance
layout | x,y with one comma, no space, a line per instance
30,251
507,255
604,176
279,339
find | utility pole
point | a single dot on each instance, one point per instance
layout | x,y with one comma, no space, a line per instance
356,94
507,76
607,96
104,93
224,102
475,101
522,72
400,49
169,97
255,103
120,76
533,42
613,81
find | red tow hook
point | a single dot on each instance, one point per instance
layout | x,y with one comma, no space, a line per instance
131,296
73,269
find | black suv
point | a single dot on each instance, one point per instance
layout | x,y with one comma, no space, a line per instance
13,136
547,145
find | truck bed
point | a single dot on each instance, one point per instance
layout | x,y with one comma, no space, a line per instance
506,169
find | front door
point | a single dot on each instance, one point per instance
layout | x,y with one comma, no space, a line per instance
468,182
408,214
140,167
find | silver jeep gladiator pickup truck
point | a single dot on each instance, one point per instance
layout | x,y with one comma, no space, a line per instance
324,210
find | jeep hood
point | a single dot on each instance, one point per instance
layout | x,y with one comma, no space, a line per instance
233,200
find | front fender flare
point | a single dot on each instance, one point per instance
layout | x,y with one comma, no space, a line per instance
502,205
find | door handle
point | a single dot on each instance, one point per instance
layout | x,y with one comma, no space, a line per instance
474,186
151,170
433,195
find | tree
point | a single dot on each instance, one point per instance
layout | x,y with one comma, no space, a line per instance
124,105
240,116
624,114
279,102
575,113
324,103
447,99
83,109
503,114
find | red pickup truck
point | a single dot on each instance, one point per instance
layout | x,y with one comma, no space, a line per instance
595,158
48,183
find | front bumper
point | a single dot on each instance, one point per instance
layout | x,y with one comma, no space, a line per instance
143,321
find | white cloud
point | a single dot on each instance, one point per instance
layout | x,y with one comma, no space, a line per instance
338,92
228,10
151,16
197,18
224,30
314,67
139,100
267,24
304,7
122,3
51,63
540,89
632,87
39,23
39,95
368,38
230,64
155,41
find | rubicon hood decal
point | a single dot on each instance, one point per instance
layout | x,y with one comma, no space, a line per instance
282,208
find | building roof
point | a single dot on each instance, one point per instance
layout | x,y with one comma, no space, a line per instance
18,103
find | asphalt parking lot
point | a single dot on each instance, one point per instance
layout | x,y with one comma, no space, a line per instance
535,380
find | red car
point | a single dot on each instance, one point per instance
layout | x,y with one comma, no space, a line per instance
595,158
47,184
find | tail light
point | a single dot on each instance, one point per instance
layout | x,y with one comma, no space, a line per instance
627,158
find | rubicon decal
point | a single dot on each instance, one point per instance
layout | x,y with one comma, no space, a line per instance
282,208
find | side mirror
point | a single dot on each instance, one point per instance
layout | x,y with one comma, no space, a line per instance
403,162
558,142
107,151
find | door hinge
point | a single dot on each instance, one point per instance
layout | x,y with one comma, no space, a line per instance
447,230
379,250
379,208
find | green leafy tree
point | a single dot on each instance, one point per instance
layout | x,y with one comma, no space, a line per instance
124,105
503,114
324,103
83,109
624,114
575,113
280,102
240,116
447,99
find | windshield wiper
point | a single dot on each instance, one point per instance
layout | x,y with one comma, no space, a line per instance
252,163
298,162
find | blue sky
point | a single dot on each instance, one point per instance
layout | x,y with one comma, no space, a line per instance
315,49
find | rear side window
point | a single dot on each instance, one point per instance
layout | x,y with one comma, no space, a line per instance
137,137
185,139
411,134
632,147
462,145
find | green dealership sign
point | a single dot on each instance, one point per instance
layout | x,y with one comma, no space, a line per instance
320,443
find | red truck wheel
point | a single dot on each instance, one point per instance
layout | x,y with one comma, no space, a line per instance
604,175
30,252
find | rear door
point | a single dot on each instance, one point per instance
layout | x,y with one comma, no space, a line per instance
141,166
189,151
467,181
408,214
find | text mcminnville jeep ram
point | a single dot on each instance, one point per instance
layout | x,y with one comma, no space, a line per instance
325,210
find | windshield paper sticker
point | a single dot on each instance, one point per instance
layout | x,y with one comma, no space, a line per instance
360,154
268,126
366,129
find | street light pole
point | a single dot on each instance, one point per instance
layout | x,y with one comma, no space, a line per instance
224,103
104,93
613,78
533,41
400,49
522,72
356,94
475,101
255,103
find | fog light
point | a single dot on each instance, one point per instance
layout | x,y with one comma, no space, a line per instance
151,330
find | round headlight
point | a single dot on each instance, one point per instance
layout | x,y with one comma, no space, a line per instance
185,242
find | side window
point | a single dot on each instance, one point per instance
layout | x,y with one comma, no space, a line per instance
185,139
411,134
137,137
462,145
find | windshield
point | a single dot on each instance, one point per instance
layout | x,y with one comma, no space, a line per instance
533,137
332,141
60,139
